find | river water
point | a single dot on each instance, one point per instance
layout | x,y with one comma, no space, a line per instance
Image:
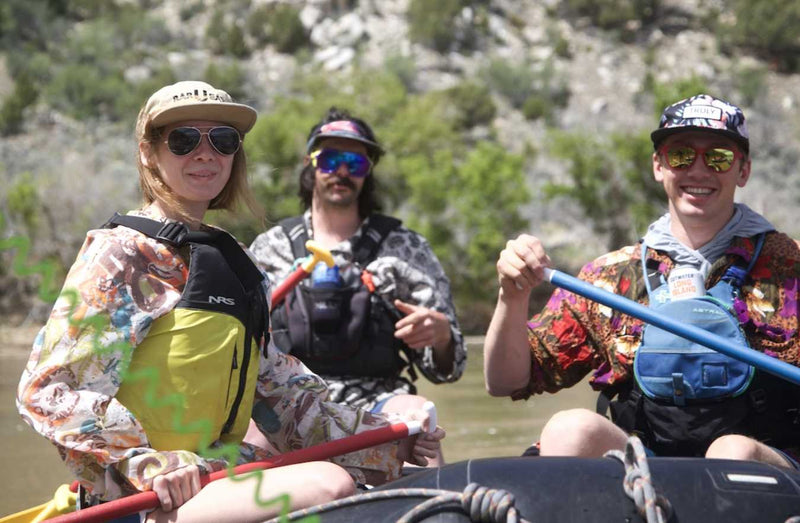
477,424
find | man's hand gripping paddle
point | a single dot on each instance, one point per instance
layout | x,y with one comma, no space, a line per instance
757,359
318,254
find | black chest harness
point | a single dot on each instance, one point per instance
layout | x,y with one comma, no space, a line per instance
346,331
222,279
684,396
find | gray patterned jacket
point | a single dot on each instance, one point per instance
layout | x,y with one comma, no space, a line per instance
405,268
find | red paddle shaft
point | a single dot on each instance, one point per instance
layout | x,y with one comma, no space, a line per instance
149,501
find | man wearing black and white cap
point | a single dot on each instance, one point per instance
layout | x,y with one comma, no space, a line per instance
679,398
386,307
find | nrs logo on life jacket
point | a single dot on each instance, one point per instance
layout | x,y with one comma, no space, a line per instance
221,299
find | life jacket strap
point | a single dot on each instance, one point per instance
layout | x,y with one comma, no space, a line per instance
364,251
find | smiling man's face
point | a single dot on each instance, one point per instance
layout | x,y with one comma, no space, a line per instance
698,195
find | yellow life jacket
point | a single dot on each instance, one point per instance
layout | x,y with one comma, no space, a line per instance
192,379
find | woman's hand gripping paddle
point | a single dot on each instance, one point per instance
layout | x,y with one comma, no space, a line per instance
318,254
757,359
145,501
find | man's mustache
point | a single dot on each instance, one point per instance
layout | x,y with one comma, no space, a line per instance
343,180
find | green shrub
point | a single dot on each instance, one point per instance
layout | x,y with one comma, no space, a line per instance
514,82
88,68
189,9
11,112
610,178
404,68
751,83
431,23
536,93
278,24
24,205
225,38
474,104
288,33
28,24
84,92
622,16
669,93
229,77
535,107
769,28
258,24
559,43
438,25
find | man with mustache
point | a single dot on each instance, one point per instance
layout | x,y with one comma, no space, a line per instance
386,307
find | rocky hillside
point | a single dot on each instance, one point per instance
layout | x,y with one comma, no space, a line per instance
548,66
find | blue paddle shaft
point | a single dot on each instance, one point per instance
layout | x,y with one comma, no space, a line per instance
757,359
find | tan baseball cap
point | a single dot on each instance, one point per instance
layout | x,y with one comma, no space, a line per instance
193,100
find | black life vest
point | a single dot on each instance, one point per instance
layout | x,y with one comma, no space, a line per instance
684,396
223,282
346,331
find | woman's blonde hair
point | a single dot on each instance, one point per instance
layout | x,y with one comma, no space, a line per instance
153,187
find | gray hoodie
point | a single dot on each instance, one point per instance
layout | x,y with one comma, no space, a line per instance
744,223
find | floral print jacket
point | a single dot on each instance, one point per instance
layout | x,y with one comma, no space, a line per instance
120,283
574,336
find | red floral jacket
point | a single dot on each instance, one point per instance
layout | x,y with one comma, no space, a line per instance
574,336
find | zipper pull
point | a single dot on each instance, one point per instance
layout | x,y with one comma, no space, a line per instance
235,357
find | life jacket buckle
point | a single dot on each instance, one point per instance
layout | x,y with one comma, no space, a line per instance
174,233
735,275
678,389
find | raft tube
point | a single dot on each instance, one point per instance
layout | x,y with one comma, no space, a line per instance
564,489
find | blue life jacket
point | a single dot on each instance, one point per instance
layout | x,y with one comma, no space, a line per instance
670,368
683,396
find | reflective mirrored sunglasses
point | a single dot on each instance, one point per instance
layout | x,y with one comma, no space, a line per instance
329,160
183,140
718,159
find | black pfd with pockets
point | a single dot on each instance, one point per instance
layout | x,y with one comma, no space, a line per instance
222,280
346,331
684,395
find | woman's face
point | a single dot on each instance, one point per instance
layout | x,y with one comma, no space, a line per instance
195,178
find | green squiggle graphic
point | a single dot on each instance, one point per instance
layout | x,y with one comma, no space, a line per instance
22,267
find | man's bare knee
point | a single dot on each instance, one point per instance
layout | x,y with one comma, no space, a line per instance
580,432
732,446
572,421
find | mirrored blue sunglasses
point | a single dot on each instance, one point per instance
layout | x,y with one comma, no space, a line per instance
329,160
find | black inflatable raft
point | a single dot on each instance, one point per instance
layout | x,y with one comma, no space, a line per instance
550,489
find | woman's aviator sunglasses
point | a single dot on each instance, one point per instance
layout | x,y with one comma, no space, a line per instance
329,160
718,159
183,140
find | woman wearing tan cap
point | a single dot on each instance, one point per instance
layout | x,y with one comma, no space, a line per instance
157,351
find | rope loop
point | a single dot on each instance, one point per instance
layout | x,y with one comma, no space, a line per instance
638,484
486,505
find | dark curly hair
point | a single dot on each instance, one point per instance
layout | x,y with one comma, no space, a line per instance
368,201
